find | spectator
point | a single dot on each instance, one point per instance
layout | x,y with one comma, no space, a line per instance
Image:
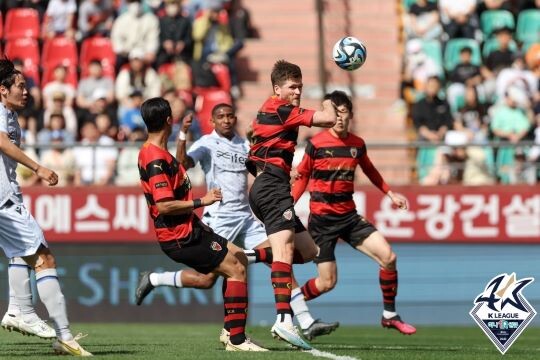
488,5
431,115
59,106
56,126
95,18
94,84
179,109
96,158
459,19
175,35
39,5
472,118
127,169
465,74
135,29
498,59
60,158
106,126
212,36
60,18
517,76
132,117
33,104
59,85
99,106
449,162
422,21
510,123
137,76
417,70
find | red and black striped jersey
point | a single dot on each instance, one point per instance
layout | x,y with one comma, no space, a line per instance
275,131
328,165
163,178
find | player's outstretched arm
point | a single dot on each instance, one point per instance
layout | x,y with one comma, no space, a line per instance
181,153
326,117
180,207
14,152
301,177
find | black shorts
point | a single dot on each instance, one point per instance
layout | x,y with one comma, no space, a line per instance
203,250
327,229
271,201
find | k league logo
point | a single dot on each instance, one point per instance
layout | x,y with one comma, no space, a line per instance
502,311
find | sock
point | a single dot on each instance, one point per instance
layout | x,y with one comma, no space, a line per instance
281,282
19,287
388,314
300,309
17,268
223,291
169,278
263,255
236,303
51,296
388,279
310,290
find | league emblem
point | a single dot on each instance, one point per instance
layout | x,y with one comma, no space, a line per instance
502,311
215,246
354,152
288,214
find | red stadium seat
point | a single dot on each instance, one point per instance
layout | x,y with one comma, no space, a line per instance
59,50
27,50
48,75
98,48
205,102
221,71
1,25
20,23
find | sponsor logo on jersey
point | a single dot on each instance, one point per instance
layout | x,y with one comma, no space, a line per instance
236,158
502,311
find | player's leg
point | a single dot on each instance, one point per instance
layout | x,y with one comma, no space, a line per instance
376,247
14,319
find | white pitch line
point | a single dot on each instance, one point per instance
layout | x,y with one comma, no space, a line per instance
328,355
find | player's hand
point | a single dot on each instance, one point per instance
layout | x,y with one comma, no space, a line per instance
398,200
186,122
47,175
212,196
295,175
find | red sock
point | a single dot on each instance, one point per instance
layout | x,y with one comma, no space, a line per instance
388,279
236,303
309,290
223,291
281,282
264,255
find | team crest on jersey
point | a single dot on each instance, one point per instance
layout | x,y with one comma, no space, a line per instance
502,311
288,214
215,246
354,152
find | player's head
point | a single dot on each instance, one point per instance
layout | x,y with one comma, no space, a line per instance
157,115
287,81
344,110
224,120
13,91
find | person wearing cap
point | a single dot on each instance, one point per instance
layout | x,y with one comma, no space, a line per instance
94,85
135,29
136,76
417,70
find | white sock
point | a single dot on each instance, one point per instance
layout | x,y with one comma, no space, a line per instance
388,314
250,254
285,319
20,294
300,309
169,278
51,296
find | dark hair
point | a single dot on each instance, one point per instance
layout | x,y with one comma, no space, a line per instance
8,73
219,106
340,98
95,62
283,71
466,49
155,112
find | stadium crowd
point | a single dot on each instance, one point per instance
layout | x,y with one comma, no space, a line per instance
90,64
471,75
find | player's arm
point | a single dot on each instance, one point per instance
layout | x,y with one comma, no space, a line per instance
326,117
178,207
181,153
303,171
14,152
376,179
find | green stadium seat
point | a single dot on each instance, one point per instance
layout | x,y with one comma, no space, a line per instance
432,48
454,46
408,3
528,26
492,44
496,19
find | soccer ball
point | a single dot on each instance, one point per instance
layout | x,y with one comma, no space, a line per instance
349,53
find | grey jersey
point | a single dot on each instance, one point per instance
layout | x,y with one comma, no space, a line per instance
223,163
9,187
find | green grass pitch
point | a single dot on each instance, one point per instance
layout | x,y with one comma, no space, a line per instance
195,341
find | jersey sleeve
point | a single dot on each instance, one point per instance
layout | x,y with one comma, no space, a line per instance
294,116
199,152
371,172
3,120
304,171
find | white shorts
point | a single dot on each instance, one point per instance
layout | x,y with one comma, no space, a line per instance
20,234
246,232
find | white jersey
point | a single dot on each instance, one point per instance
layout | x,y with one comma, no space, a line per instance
9,187
223,162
